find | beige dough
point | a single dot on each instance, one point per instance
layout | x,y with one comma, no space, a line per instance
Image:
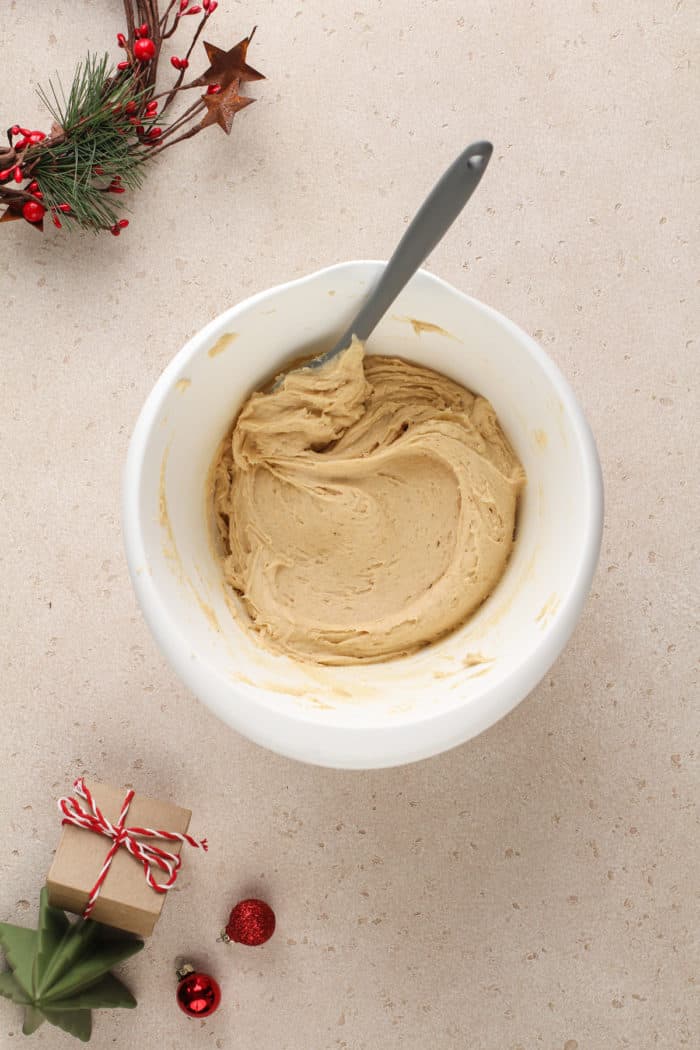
368,508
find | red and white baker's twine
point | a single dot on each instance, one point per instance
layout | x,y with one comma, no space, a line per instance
92,819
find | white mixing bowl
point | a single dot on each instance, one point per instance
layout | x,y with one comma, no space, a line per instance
402,710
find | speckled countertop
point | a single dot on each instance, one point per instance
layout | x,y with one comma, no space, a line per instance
534,888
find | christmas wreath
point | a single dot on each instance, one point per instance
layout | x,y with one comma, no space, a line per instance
112,121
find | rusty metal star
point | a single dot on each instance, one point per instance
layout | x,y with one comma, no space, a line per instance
226,66
222,107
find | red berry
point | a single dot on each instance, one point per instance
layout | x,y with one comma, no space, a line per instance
57,222
122,65
121,39
152,108
36,137
98,170
155,133
114,230
5,174
183,4
144,49
33,211
17,173
130,107
65,208
213,89
25,131
213,6
143,29
123,223
14,130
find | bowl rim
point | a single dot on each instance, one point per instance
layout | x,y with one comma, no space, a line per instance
346,745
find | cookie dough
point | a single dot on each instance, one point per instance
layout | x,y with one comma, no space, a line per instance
367,508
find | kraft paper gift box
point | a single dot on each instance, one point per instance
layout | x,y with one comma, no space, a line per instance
126,900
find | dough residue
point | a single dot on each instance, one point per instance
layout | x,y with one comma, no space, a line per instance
366,508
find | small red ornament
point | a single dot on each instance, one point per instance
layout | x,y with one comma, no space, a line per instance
33,211
251,922
198,994
144,49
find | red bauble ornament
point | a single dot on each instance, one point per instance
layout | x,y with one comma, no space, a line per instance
144,49
251,922
198,994
33,211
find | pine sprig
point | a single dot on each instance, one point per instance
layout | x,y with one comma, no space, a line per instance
94,145
87,92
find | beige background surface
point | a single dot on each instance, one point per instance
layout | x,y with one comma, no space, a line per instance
536,887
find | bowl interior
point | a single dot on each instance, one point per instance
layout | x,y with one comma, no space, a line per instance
515,635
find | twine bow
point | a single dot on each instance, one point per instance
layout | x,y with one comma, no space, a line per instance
151,857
